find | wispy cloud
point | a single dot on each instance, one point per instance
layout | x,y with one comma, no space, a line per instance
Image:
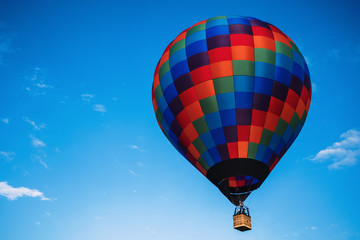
87,97
342,154
9,156
136,147
5,120
133,173
32,123
99,108
13,193
37,82
37,142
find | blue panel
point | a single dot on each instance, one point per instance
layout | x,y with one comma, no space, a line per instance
194,37
228,117
298,71
263,86
284,62
238,20
213,120
208,140
287,134
165,127
267,155
177,57
166,80
218,136
226,101
217,30
298,59
179,69
172,137
168,116
244,99
208,159
274,141
280,147
265,70
196,47
245,83
215,154
282,75
162,104
260,152
216,22
170,92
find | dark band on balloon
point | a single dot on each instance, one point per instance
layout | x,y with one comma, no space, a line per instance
237,167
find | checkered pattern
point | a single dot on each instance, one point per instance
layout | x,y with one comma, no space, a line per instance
231,87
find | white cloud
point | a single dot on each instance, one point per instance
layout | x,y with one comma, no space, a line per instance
342,154
133,173
9,156
87,97
37,142
136,147
12,193
32,123
38,82
5,120
99,108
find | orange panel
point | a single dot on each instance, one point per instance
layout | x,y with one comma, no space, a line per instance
242,53
300,108
205,89
281,38
191,132
287,113
164,57
221,69
271,121
194,111
255,134
193,151
243,149
264,42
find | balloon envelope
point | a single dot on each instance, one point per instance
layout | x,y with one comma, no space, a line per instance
232,94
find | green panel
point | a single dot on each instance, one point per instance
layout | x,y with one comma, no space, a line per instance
177,46
158,92
158,115
199,145
281,127
215,18
266,137
303,118
201,126
209,105
197,28
264,55
294,121
283,49
164,69
252,150
294,47
203,163
224,85
243,67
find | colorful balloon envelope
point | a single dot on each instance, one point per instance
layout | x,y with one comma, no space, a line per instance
231,94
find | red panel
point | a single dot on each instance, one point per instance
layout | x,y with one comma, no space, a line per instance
188,97
276,106
258,118
201,74
271,121
183,119
184,139
261,31
220,54
241,39
233,149
292,98
243,133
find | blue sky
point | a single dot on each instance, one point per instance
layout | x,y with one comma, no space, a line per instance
82,157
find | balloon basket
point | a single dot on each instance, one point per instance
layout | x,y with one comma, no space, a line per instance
242,222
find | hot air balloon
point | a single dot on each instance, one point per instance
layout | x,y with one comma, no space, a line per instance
231,94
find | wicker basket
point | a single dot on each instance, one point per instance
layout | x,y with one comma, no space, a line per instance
242,222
